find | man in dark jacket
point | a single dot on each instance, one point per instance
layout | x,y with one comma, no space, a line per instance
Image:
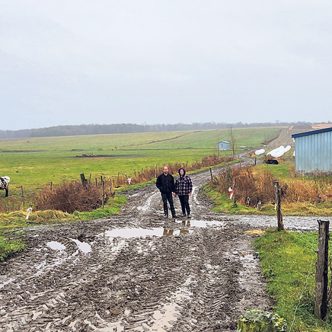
165,183
184,188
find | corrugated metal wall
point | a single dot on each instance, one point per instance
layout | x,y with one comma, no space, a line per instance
314,153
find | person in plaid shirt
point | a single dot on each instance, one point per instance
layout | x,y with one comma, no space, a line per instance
184,188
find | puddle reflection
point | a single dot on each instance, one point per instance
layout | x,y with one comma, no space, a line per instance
177,228
176,231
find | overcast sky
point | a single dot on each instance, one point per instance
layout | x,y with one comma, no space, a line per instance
105,61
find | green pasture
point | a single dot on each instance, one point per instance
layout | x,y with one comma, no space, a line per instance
35,162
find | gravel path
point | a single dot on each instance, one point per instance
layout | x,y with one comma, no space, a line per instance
137,272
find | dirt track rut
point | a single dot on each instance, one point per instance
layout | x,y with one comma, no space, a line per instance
134,272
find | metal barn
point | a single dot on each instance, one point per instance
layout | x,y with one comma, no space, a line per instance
224,145
313,151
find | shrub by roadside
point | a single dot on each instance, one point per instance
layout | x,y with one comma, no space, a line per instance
71,196
253,187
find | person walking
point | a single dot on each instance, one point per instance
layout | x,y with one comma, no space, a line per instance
184,188
165,184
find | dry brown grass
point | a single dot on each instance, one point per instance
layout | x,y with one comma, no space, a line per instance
258,186
313,191
249,187
71,196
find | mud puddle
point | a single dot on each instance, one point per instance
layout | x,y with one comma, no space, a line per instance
84,247
175,228
54,245
201,223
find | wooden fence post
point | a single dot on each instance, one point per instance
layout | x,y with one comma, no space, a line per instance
321,300
84,180
277,189
211,174
103,191
111,187
234,205
22,197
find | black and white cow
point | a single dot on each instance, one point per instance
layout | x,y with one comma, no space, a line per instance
4,184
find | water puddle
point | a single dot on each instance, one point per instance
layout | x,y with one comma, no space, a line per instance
195,194
172,229
164,318
84,247
201,223
54,245
128,233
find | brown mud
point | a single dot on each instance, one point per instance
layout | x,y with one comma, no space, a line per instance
134,272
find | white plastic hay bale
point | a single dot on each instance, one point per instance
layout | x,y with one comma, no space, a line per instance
259,152
287,148
278,152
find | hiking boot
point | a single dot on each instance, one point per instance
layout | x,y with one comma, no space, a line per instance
189,216
184,215
165,216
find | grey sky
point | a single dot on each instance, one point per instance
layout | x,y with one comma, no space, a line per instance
105,61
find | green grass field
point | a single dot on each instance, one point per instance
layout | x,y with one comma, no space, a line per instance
288,261
35,162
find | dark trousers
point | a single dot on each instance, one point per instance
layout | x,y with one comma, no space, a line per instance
184,200
167,197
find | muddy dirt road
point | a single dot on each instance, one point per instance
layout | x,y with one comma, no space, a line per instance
135,272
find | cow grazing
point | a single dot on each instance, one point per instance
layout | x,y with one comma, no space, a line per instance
4,184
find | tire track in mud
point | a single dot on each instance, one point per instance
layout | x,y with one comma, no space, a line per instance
170,276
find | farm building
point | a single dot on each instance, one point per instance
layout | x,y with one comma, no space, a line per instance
313,151
224,145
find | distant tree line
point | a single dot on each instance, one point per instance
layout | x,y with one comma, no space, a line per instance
93,129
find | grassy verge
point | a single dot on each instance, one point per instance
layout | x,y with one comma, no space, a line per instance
9,247
17,219
222,204
113,207
288,263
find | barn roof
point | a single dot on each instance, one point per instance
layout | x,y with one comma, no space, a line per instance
312,132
